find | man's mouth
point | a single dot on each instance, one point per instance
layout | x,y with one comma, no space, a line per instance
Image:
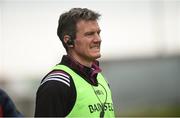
95,47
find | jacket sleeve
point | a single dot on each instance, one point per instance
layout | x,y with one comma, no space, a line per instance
55,98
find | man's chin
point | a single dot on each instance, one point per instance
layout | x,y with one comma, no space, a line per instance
94,56
97,56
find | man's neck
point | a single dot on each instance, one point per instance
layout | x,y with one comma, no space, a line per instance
81,61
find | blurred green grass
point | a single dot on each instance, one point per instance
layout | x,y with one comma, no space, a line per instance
170,111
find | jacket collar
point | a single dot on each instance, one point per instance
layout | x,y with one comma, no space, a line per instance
84,71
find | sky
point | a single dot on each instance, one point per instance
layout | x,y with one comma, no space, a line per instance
130,29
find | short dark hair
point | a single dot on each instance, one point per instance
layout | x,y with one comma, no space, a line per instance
68,20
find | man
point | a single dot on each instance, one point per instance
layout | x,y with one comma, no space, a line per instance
75,87
7,107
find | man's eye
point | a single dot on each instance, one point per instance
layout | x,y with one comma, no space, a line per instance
89,33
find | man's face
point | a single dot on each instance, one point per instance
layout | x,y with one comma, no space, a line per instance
88,41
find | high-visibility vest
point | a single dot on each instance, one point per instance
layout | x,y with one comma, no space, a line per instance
91,101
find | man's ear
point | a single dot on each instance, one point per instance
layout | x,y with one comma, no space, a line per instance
68,41
66,38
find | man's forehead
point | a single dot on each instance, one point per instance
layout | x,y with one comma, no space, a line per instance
87,24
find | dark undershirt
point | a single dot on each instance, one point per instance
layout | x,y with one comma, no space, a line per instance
55,98
7,106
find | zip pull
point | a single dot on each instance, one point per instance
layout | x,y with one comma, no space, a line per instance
102,114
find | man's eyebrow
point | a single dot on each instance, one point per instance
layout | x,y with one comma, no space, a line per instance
89,32
92,32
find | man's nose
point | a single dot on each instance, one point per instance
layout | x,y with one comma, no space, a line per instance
97,38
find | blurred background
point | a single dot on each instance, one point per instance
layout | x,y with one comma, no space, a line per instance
140,51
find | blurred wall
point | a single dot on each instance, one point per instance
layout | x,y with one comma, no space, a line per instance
145,86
